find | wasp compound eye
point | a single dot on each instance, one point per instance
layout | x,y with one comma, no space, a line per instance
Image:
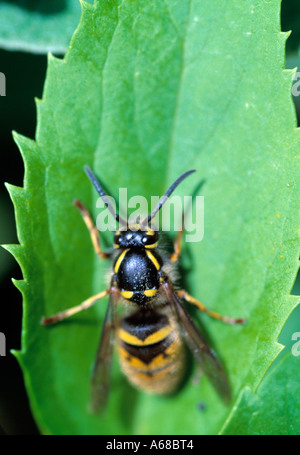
117,240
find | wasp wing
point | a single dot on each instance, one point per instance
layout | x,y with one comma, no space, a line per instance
102,366
202,353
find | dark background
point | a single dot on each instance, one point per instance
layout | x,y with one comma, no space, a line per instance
25,75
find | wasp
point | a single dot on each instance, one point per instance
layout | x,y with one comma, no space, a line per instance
152,333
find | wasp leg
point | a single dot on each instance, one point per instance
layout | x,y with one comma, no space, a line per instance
177,247
93,230
76,309
184,295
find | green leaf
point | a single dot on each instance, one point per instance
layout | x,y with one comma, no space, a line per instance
38,26
6,234
149,89
274,408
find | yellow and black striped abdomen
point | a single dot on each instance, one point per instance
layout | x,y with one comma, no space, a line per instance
151,351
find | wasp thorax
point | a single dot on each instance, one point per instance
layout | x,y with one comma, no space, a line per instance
136,239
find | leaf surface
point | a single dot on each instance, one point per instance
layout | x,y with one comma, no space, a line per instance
274,408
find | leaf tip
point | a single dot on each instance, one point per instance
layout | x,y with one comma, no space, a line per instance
17,251
286,34
24,143
17,354
19,284
85,5
15,192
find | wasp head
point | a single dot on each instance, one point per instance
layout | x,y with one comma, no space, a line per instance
136,237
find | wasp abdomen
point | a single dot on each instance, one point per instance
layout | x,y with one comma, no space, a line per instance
151,351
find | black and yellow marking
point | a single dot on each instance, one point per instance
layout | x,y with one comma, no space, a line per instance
150,292
150,348
144,295
136,273
153,338
119,260
152,245
127,294
136,237
152,240
154,260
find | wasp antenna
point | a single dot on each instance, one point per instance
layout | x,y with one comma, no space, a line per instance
168,193
102,193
